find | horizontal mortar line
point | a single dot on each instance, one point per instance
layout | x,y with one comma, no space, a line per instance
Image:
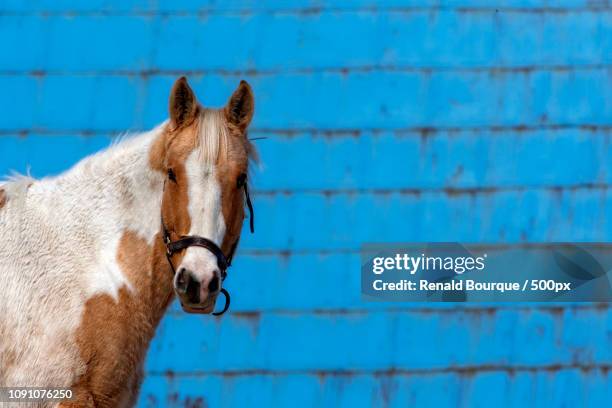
336,132
429,130
522,69
484,308
447,190
390,372
285,253
305,11
493,246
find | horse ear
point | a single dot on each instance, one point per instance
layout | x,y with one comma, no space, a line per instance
183,103
241,106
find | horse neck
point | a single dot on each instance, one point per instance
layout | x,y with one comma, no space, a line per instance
116,197
119,186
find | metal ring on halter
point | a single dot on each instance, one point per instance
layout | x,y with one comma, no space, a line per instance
227,303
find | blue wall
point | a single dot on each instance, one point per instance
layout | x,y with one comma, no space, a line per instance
396,120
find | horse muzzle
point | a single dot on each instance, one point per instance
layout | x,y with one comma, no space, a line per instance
209,306
198,292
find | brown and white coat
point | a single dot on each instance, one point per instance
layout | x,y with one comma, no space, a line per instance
84,280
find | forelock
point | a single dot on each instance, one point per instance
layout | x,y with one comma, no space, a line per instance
216,142
213,136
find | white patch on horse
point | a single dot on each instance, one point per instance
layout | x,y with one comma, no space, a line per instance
109,278
16,186
205,205
206,213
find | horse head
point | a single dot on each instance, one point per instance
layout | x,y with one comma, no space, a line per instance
204,156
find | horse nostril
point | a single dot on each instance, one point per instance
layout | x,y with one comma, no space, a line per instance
193,289
187,285
214,284
182,279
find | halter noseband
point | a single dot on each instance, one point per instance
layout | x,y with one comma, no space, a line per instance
223,262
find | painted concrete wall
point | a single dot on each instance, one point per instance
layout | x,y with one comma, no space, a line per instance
388,121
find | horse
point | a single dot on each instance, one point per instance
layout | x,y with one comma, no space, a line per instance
91,259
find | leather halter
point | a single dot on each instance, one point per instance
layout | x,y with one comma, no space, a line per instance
223,262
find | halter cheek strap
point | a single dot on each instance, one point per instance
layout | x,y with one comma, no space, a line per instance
250,207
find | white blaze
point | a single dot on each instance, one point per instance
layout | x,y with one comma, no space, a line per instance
206,213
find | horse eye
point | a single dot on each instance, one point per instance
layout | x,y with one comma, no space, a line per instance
241,180
171,175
